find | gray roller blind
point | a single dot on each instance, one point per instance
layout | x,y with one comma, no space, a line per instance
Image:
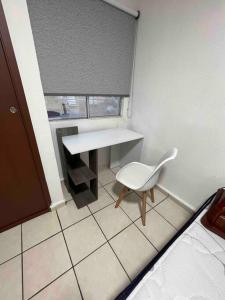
83,46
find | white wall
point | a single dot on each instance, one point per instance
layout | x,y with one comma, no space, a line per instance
179,90
22,39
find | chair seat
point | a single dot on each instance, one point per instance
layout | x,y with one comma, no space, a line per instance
134,175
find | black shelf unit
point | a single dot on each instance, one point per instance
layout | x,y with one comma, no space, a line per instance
81,173
81,180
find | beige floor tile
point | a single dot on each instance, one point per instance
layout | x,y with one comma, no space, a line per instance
133,250
101,276
131,204
106,176
103,200
173,212
115,170
10,243
64,288
159,196
11,280
39,229
114,188
44,263
157,229
112,220
66,194
69,214
99,184
83,238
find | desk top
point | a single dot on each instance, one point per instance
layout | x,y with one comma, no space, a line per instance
87,141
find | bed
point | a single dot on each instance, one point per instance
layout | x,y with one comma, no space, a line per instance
191,266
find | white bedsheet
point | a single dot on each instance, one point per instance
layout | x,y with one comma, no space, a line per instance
193,268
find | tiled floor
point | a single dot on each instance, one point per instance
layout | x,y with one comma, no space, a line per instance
90,253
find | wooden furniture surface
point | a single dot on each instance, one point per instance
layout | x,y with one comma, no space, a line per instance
87,141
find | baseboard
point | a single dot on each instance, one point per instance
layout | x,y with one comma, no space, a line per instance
177,199
57,205
180,201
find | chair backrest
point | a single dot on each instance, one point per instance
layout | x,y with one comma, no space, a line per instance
170,155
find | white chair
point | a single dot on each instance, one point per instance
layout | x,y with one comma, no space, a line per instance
140,177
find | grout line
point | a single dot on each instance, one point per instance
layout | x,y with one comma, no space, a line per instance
151,207
176,204
129,193
100,208
22,261
150,198
50,283
70,257
107,240
23,251
166,220
133,222
115,168
90,254
103,185
40,242
10,259
162,215
73,266
119,232
61,231
111,248
87,216
119,261
109,195
146,236
76,222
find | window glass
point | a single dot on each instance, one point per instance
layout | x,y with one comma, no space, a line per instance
66,107
78,107
104,106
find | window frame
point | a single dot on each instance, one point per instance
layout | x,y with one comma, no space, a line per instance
121,97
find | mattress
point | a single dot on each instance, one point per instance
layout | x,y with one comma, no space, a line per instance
193,268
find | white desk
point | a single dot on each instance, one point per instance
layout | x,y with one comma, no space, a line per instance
82,177
87,141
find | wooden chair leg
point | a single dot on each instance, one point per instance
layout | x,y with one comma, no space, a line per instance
143,210
152,195
121,196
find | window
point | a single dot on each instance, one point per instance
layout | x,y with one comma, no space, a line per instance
78,107
103,106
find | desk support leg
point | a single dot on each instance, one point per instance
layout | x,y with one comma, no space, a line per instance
93,165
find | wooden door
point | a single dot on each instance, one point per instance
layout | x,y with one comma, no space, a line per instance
23,190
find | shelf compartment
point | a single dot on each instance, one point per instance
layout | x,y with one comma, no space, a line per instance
82,195
81,173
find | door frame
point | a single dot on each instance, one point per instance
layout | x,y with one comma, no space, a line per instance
22,104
